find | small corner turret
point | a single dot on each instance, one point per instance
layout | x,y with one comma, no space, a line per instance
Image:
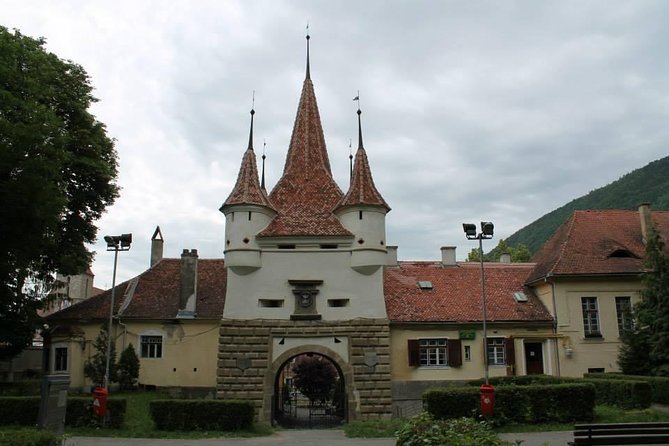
363,211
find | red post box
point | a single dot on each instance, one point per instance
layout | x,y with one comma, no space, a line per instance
100,401
487,399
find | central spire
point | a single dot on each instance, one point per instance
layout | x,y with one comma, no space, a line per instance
306,193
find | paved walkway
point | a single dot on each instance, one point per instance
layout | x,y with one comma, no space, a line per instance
331,437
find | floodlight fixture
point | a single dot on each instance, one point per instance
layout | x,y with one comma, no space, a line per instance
487,229
470,230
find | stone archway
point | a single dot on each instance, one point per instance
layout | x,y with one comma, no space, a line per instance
271,396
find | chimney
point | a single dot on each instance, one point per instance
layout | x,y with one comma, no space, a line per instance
505,257
156,246
188,293
448,255
646,223
391,257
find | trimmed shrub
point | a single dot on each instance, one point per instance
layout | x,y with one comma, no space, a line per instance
188,415
517,404
424,430
23,411
626,394
19,410
29,437
21,388
659,384
524,380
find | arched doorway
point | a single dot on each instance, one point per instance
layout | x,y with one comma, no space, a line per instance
309,392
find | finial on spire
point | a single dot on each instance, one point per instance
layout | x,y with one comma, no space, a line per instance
357,98
253,112
308,37
350,159
262,181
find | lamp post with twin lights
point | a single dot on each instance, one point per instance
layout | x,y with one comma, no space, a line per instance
115,243
487,391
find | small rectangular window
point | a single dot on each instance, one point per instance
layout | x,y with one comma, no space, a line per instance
590,317
359,215
60,359
496,351
337,303
270,303
286,246
329,246
151,346
624,313
468,353
596,370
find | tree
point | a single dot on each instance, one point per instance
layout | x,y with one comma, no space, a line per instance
57,175
314,376
128,368
95,367
518,253
645,348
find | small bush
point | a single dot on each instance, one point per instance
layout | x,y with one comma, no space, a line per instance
659,384
191,415
19,410
424,430
626,394
29,437
452,402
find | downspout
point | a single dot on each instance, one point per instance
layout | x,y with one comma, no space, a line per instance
125,331
555,324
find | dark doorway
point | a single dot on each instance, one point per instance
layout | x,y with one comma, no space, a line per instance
309,392
534,358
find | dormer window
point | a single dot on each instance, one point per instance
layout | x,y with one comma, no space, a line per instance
622,253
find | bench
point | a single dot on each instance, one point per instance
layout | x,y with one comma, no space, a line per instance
621,433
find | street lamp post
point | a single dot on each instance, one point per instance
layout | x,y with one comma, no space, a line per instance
115,243
487,229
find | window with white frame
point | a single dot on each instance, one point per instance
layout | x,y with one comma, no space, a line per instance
151,346
590,317
60,354
495,349
433,352
624,313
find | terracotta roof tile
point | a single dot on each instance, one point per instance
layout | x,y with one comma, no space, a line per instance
590,243
363,190
156,295
306,194
456,293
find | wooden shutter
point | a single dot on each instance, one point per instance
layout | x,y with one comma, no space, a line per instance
454,352
413,346
509,351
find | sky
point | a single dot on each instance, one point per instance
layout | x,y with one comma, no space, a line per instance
472,110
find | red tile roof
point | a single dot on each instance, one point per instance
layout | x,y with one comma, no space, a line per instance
247,190
363,190
156,294
306,194
591,242
456,293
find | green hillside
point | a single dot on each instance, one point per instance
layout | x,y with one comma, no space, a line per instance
647,184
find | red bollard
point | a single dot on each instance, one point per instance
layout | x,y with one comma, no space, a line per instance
487,399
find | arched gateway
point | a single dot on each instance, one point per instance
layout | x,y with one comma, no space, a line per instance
304,270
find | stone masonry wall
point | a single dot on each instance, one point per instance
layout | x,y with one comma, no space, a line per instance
246,370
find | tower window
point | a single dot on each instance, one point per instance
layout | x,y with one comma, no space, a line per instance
359,215
270,303
250,213
286,246
338,303
329,246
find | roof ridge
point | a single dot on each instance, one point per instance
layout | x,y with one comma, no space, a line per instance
571,223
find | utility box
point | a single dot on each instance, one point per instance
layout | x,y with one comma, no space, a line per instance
53,404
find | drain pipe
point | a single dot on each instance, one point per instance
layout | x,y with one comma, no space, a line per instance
125,332
555,324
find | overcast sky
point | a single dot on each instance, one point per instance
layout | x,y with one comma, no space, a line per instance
472,110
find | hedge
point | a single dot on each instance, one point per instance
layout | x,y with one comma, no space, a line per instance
623,393
29,437
190,415
21,388
659,384
23,411
518,404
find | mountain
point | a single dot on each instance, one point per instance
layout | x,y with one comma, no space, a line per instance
649,184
